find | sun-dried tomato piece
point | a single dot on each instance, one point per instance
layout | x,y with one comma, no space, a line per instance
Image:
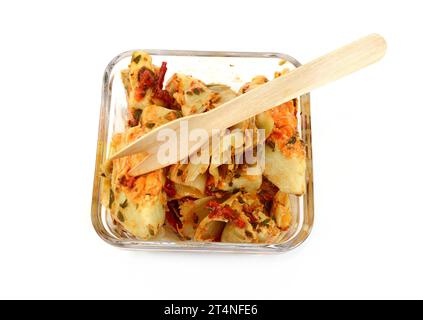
172,215
162,73
146,80
128,182
169,188
160,93
249,210
217,210
268,191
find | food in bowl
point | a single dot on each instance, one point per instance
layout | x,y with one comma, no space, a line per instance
219,202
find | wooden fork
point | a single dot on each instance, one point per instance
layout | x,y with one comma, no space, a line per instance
307,77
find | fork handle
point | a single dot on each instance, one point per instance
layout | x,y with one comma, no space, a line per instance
323,70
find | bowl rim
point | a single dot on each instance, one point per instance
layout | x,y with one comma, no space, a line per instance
308,198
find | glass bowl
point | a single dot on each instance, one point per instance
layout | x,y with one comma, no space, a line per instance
230,68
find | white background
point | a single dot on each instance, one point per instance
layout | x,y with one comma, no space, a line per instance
367,129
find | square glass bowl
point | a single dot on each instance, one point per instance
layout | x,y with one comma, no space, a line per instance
230,68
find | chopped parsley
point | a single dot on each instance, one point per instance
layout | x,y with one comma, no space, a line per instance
240,200
120,217
292,140
111,198
271,144
136,59
124,204
151,230
265,222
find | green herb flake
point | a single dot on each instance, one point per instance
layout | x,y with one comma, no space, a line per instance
136,59
111,198
120,217
292,140
265,222
196,91
150,125
137,115
151,230
272,145
124,204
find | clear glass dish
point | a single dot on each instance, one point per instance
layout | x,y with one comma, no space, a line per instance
230,68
